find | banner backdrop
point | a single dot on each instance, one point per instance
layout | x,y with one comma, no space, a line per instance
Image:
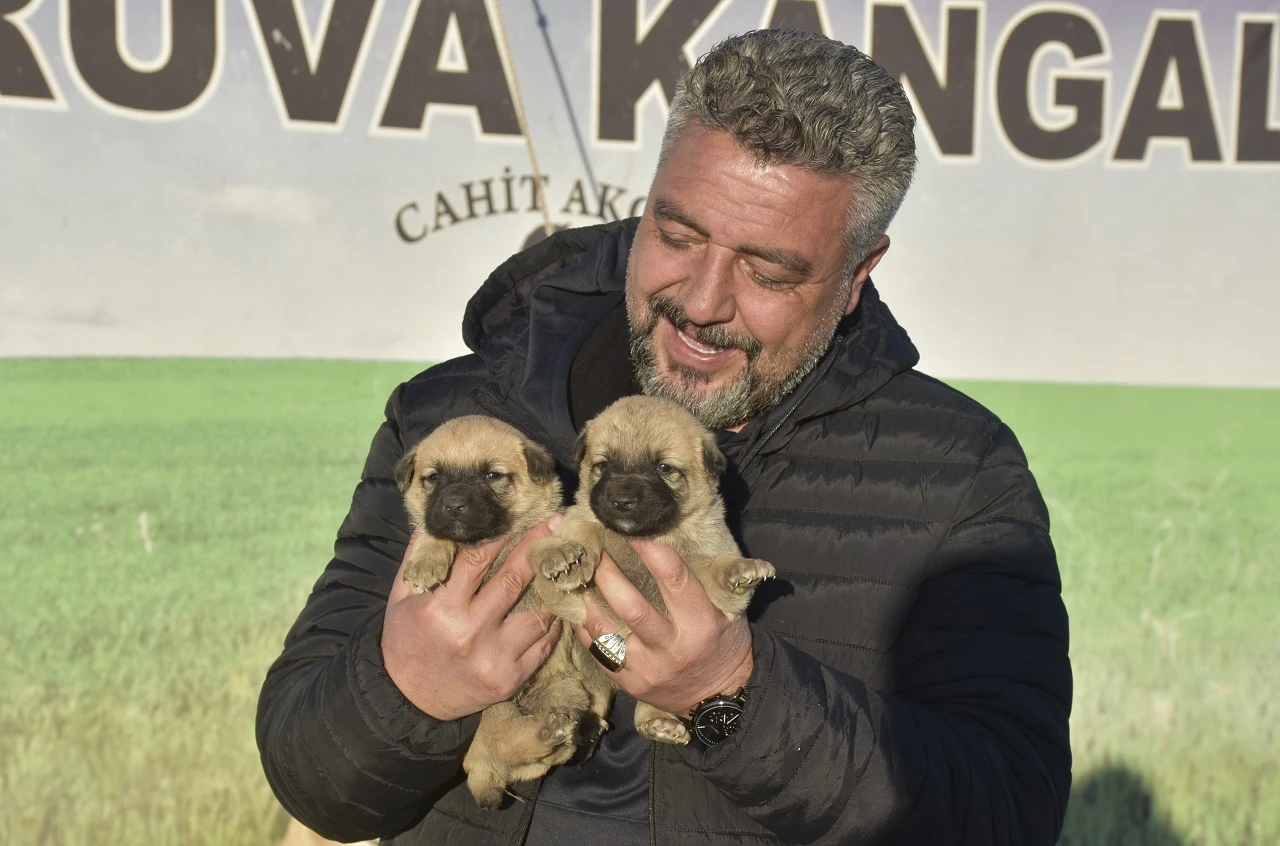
1097,199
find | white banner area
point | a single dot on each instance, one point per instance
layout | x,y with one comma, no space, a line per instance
1098,198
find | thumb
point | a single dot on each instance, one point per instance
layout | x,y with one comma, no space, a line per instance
399,587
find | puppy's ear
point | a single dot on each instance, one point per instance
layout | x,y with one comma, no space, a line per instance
580,448
713,457
404,472
542,467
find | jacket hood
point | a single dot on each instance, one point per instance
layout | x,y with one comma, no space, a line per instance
503,302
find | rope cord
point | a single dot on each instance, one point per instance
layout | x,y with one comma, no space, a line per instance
510,68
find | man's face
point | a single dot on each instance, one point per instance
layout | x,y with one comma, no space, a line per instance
735,283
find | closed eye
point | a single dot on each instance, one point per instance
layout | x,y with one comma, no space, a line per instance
673,242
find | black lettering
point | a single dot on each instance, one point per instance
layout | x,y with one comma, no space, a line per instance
176,85
472,198
629,64
607,202
578,194
637,206
507,181
535,203
443,209
1085,96
1174,44
1256,141
947,104
313,88
797,14
400,226
20,74
419,83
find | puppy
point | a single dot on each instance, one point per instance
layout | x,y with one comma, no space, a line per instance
473,480
647,469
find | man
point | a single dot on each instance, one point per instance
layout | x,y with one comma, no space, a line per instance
905,679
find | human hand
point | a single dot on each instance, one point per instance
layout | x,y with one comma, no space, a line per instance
453,650
676,660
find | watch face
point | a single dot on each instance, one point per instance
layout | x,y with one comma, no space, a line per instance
717,721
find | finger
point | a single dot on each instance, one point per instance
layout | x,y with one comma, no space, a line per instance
500,593
537,654
521,631
680,589
597,623
399,587
470,566
630,605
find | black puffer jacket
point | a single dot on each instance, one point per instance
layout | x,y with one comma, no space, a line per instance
911,680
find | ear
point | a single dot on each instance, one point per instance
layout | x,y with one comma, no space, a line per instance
713,457
580,448
542,467
863,272
404,472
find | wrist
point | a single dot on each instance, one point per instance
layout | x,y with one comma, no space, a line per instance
728,685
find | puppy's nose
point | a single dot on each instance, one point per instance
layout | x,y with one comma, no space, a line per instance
623,501
455,505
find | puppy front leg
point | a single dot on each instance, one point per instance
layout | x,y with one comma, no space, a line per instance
569,557
730,581
429,564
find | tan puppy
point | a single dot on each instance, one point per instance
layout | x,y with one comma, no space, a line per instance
473,480
647,469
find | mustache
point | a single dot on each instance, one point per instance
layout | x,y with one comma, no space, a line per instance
713,335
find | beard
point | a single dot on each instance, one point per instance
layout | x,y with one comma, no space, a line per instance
758,387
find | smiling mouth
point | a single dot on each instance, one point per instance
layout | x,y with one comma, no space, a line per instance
696,346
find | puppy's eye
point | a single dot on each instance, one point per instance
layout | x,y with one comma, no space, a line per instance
494,475
665,469
600,466
433,477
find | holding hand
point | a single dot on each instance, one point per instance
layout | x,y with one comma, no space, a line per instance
453,650
676,660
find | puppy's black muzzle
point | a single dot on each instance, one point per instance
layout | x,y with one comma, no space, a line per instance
637,504
465,512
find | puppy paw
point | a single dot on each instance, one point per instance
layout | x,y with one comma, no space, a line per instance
664,730
429,565
558,728
567,563
749,573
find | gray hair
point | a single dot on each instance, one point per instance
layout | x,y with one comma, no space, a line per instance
803,99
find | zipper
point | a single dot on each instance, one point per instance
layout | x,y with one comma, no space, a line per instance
754,448
527,819
653,804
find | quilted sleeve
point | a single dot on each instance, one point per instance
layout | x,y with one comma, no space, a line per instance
974,745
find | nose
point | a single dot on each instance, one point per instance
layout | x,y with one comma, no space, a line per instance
624,501
455,504
707,295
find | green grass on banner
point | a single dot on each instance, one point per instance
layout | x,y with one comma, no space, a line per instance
162,522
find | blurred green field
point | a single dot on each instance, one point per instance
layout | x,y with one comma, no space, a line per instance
163,520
